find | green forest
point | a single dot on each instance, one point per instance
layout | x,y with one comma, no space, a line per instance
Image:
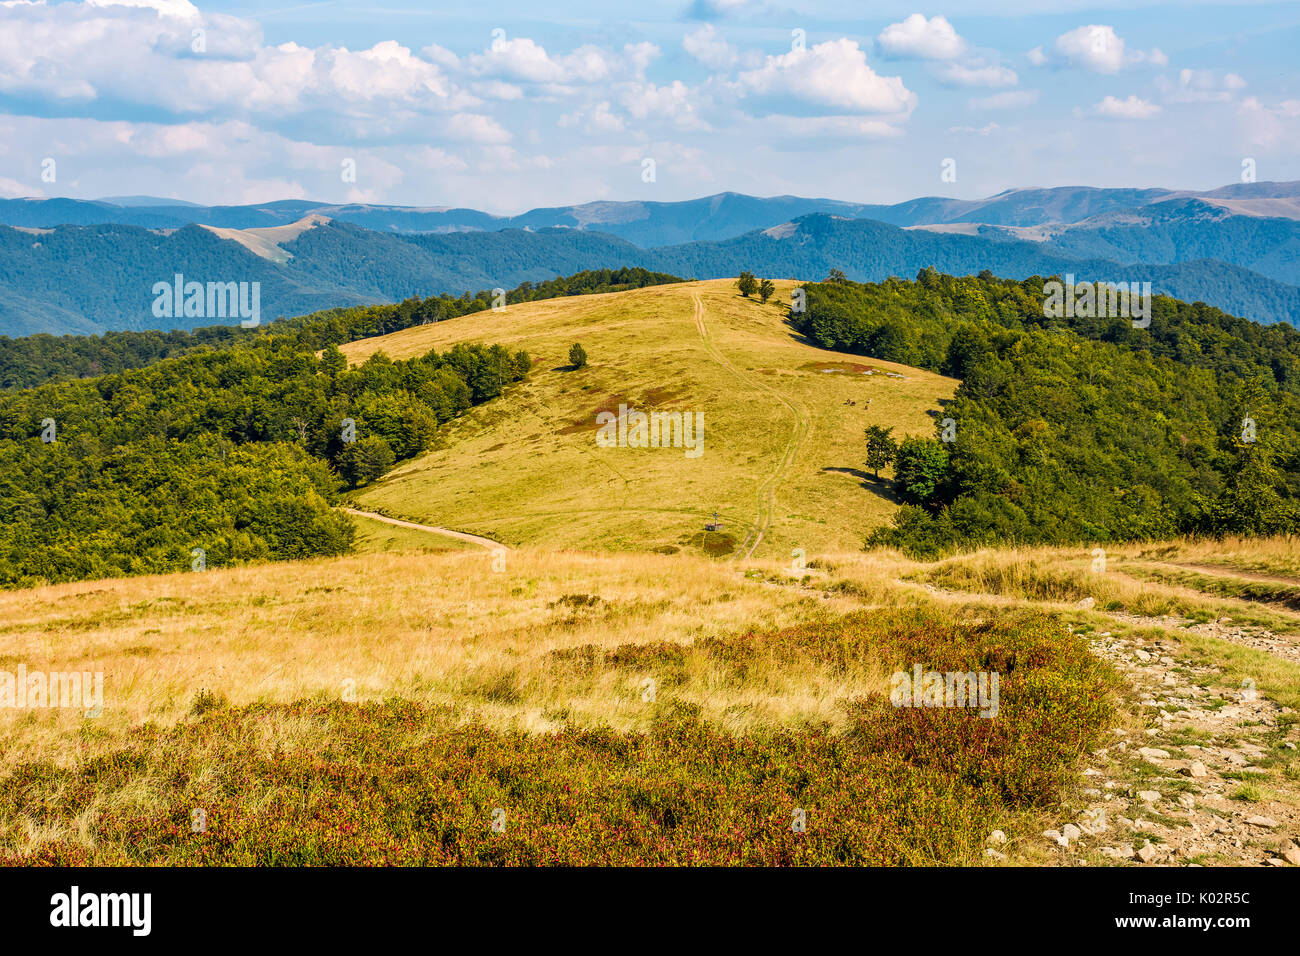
217,457
1070,430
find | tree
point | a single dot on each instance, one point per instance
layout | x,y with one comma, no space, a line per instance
332,360
747,284
836,275
364,460
577,356
765,290
921,470
881,448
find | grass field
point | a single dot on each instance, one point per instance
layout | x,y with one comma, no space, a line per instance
783,449
616,707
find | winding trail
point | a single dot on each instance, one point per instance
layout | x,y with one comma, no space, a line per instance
446,532
803,421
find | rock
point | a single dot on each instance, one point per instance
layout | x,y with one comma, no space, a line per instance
1187,800
1198,769
997,838
1274,861
1149,796
1087,603
1154,753
1142,655
1292,855
1268,823
1148,854
1118,852
993,854
1071,832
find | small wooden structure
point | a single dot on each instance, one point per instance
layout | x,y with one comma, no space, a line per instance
715,524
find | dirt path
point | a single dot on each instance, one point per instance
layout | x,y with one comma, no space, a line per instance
445,532
1223,571
803,422
1199,776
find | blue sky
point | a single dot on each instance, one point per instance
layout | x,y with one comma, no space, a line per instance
506,106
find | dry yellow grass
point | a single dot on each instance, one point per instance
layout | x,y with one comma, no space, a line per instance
783,448
437,628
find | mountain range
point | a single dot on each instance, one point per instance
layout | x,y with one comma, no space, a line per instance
84,266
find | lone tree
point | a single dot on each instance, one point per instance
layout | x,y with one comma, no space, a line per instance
881,448
747,284
765,290
577,356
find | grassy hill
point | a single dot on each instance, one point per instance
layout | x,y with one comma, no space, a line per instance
783,449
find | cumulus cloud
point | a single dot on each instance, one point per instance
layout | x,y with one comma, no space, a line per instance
834,74
933,39
1098,48
1130,108
708,46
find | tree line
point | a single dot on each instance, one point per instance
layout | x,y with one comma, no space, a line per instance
1074,429
220,456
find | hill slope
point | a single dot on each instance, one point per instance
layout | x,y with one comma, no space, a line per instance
782,452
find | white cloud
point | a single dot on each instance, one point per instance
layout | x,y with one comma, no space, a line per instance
475,128
933,39
1011,100
1130,108
1201,86
979,75
1097,47
811,129
1094,47
708,46
674,102
833,74
1036,56
984,130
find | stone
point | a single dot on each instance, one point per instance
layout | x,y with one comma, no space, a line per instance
997,838
1198,769
1148,854
1141,655
1268,823
1088,603
1071,832
1154,753
1292,855
1149,796
993,854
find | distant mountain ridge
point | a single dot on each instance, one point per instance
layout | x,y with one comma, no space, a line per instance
650,224
86,279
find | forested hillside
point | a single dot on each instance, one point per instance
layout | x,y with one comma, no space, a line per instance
236,452
1078,429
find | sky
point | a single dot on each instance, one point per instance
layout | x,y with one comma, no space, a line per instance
507,106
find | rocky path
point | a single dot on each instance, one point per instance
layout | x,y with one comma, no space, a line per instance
1203,776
